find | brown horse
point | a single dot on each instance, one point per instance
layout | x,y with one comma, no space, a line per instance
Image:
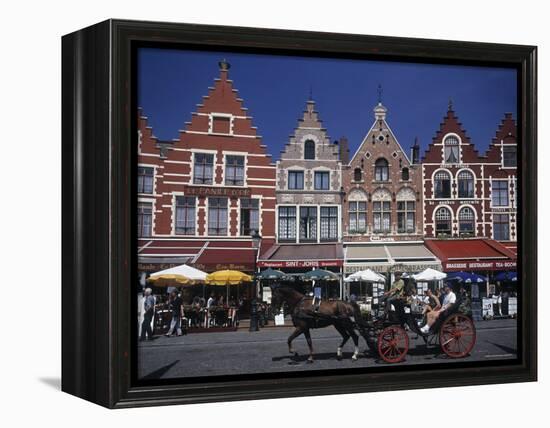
306,316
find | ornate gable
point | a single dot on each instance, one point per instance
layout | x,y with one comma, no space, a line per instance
451,127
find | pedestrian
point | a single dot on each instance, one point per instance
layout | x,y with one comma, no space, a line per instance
149,311
176,306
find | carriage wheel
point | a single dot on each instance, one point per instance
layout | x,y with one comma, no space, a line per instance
393,344
457,336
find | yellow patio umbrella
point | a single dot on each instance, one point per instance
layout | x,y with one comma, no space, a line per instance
227,278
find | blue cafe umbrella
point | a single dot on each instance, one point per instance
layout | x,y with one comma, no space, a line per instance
506,276
271,274
466,277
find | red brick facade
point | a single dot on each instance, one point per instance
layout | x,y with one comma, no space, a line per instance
460,190
217,159
380,178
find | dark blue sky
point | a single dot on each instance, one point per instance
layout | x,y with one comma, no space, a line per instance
275,90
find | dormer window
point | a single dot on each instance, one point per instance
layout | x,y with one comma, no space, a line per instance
451,149
309,149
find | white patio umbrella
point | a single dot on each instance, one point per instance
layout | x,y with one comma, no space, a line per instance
367,275
177,276
430,275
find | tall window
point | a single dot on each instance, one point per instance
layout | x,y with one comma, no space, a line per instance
329,223
357,217
501,227
185,215
357,174
145,219
308,224
145,179
381,170
466,221
465,184
382,216
405,176
309,149
203,168
442,183
217,216
295,180
451,149
499,193
442,222
405,216
234,170
322,180
250,216
509,156
287,223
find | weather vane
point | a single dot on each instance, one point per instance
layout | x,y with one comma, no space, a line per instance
379,93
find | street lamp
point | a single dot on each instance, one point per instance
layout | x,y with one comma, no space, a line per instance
256,239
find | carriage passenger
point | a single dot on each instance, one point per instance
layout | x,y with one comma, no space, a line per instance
448,300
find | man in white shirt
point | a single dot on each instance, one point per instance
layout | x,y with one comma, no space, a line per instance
448,300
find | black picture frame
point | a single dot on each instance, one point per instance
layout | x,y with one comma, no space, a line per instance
98,243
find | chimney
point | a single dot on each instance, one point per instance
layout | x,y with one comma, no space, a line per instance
415,152
343,150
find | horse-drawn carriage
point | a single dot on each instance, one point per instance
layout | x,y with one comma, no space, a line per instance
386,332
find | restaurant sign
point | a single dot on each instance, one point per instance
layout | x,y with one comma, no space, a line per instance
212,267
478,265
300,263
232,192
389,267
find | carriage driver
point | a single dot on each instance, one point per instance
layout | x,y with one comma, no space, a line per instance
396,292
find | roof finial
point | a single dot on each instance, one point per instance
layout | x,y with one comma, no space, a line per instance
379,93
450,104
224,65
310,93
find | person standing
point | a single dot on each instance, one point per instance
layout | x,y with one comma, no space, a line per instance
176,308
149,311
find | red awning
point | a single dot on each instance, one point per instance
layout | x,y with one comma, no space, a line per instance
307,255
472,254
208,256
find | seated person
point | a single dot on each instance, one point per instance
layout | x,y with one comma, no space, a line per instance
396,293
432,316
431,303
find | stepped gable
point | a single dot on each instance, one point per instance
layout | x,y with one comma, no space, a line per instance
505,134
451,124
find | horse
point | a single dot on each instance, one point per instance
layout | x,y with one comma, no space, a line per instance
305,316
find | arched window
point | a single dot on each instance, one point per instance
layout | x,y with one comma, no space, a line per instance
309,149
405,174
451,149
465,184
466,221
381,170
442,184
442,222
381,207
357,174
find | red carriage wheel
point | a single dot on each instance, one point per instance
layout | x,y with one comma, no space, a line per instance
393,344
457,336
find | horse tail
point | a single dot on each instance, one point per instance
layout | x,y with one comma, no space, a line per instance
359,320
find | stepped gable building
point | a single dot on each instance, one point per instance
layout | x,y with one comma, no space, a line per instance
202,195
309,198
382,209
453,184
500,173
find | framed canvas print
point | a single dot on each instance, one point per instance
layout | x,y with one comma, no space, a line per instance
252,213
